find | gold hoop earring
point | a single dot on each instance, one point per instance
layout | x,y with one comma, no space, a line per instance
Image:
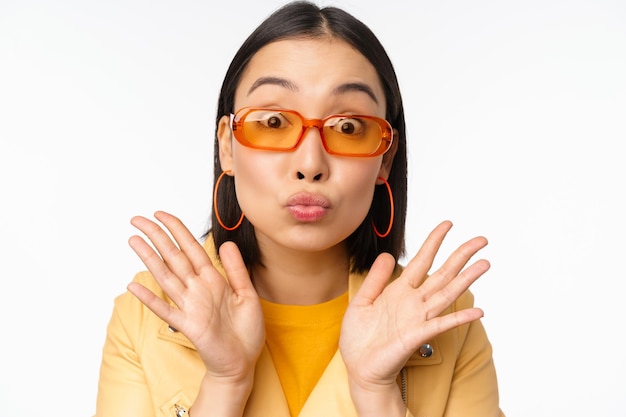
392,214
217,215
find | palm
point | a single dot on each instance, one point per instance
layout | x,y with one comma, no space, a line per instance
221,318
374,334
385,324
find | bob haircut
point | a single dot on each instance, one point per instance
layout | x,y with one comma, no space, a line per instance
298,20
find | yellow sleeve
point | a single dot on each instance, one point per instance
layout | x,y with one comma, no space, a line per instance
474,387
122,388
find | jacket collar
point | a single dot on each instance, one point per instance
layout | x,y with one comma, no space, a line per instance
330,397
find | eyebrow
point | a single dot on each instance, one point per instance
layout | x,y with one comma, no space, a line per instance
364,88
343,88
273,81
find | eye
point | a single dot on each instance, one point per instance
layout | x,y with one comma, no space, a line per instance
349,126
273,120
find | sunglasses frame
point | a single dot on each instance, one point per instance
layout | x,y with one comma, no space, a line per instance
237,118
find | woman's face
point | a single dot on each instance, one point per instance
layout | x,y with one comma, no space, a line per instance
306,199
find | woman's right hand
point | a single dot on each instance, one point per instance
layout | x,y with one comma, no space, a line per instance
221,317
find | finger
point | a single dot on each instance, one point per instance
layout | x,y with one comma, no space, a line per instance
236,271
453,265
190,247
447,295
170,252
158,306
459,258
439,325
417,269
170,283
376,280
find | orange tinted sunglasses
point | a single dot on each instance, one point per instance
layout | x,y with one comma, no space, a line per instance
283,130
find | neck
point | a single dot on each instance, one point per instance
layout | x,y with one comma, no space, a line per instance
302,278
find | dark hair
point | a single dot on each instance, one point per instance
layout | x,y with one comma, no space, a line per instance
302,19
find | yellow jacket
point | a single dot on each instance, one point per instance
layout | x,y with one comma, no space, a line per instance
149,370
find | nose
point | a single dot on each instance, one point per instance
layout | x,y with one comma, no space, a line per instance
310,160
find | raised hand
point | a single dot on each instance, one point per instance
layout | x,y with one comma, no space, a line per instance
384,324
222,318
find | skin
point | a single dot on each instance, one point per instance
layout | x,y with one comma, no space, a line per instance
383,325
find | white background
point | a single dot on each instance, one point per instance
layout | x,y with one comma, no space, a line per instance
516,125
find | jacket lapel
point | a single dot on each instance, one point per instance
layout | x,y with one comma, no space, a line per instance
331,396
267,398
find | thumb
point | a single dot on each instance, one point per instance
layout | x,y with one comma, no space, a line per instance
376,280
235,268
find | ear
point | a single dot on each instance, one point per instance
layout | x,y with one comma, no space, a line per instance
385,166
225,139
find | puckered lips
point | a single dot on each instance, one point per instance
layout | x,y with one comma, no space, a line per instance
306,207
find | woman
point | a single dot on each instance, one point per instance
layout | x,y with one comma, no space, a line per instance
295,305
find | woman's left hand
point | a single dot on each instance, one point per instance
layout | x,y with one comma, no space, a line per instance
385,324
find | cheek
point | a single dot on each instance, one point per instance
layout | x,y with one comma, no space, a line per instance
358,188
248,188
255,180
361,198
